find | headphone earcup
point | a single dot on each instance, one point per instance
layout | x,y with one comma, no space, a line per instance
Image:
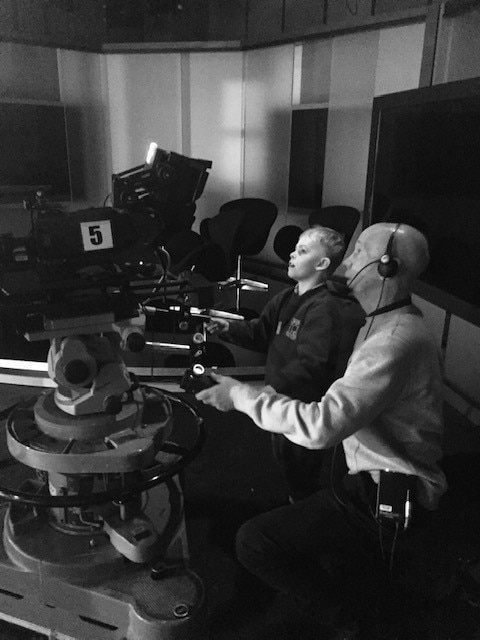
387,266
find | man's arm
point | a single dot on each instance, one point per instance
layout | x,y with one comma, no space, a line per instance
374,378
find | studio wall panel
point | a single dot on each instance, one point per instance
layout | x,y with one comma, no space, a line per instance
264,20
215,122
144,106
268,90
348,11
399,58
462,360
268,96
389,6
354,60
28,72
316,71
301,16
458,54
83,91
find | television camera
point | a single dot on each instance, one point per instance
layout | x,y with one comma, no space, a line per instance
94,536
167,185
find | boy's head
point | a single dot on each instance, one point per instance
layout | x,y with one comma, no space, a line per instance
318,252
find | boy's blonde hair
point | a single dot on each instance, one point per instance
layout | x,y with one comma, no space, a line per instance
333,241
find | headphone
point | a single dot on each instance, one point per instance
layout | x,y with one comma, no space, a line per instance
387,264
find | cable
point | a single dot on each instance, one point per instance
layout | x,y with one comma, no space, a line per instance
369,264
383,554
351,11
164,259
380,535
392,550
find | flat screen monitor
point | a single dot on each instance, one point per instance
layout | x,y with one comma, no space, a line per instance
424,168
33,150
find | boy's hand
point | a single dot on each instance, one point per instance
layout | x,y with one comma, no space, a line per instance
218,396
217,325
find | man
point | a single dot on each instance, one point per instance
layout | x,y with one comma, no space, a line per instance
386,411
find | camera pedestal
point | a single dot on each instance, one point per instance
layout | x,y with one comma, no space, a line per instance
125,605
115,569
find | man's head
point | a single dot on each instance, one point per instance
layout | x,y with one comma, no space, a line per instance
387,251
317,254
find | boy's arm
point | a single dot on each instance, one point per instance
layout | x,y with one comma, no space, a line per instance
253,334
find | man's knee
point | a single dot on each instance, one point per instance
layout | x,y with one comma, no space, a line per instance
255,542
247,542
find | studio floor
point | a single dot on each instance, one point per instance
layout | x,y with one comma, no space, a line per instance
234,477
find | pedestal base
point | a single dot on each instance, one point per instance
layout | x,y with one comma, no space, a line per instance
69,588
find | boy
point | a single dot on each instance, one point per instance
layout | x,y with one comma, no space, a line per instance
299,330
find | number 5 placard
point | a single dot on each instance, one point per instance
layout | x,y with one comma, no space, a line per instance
96,235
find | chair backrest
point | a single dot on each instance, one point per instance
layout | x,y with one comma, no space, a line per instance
257,218
240,228
188,249
285,241
182,247
341,218
221,231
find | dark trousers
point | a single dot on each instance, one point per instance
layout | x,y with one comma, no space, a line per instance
305,470
326,554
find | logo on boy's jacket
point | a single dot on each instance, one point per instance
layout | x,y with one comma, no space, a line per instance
292,330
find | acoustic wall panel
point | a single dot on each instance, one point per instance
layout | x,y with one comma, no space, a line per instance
354,60
144,106
268,99
215,112
458,54
462,361
83,91
28,72
399,58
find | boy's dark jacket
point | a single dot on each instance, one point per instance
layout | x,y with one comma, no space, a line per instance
303,339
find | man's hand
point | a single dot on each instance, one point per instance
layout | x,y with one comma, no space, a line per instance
218,395
217,325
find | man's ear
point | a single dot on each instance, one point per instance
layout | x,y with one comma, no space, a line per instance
323,264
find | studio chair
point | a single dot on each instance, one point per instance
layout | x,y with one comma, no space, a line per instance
188,250
241,228
285,241
184,249
338,217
